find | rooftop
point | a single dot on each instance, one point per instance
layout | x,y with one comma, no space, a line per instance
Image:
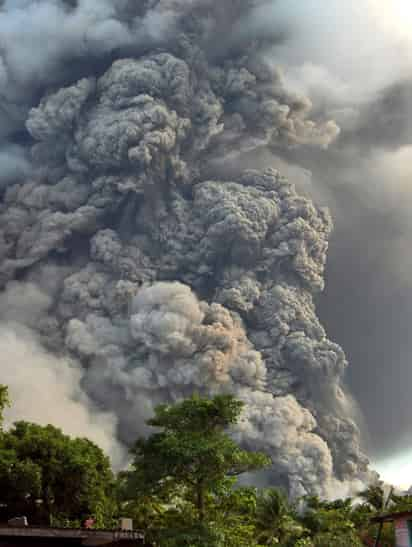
390,517
74,535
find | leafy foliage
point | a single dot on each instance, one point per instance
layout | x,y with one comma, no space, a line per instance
190,465
192,453
276,519
44,471
374,496
181,488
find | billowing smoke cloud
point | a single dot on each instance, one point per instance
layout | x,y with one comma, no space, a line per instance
163,267
174,345
46,389
362,79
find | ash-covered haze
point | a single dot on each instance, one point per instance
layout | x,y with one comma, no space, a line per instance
151,247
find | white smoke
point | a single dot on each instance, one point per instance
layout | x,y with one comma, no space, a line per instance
45,388
362,37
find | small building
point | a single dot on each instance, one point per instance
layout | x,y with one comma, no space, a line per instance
403,526
33,536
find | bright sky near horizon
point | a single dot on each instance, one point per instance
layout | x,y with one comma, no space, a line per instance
395,14
396,471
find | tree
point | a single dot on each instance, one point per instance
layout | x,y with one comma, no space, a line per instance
377,501
276,520
330,523
191,462
232,511
69,478
374,496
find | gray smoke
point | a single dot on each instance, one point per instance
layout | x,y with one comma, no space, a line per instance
44,387
14,164
362,79
159,272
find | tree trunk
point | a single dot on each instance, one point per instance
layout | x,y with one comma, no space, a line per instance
378,537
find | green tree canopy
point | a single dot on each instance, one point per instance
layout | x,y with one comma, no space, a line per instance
181,487
276,519
191,461
330,523
69,478
374,496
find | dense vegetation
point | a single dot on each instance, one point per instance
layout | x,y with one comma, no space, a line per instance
181,486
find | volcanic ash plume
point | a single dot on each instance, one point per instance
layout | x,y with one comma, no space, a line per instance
160,279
